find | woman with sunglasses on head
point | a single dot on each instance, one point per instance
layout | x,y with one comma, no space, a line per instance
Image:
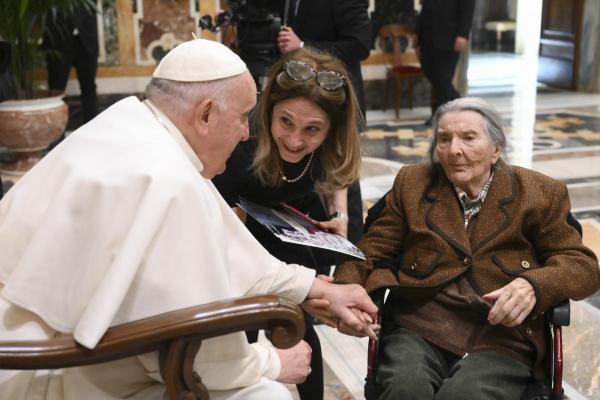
304,150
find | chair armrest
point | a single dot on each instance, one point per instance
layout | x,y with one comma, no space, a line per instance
282,317
560,315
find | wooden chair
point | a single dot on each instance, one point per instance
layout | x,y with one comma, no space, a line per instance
177,335
397,44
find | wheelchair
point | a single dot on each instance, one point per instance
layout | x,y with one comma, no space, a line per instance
555,319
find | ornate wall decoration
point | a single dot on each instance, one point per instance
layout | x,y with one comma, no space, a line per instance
159,25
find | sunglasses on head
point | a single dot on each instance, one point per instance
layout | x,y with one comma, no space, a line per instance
301,72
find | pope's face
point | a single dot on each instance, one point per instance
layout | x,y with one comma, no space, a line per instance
465,150
299,127
229,126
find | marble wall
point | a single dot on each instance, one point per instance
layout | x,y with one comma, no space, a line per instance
134,34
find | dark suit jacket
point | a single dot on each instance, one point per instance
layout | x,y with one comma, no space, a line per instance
441,21
59,32
521,231
340,27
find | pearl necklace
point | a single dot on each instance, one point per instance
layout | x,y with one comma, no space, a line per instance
296,179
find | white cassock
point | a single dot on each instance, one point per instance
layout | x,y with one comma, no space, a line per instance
117,224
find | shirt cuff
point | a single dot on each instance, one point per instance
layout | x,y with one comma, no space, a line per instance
269,360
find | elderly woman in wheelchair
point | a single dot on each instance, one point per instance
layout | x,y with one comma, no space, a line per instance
475,251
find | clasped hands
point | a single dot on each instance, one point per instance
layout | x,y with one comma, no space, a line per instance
345,307
356,314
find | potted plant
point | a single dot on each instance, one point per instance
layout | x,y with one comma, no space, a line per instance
34,118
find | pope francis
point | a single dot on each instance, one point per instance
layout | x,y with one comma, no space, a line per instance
121,221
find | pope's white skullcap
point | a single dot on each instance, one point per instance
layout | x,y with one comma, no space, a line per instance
199,60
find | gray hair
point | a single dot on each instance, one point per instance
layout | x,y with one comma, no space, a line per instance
493,124
181,97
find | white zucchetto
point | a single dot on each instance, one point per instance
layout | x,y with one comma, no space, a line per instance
199,60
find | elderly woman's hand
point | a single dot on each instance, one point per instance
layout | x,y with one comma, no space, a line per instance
369,328
512,303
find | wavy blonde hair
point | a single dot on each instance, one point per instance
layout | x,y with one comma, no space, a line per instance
340,153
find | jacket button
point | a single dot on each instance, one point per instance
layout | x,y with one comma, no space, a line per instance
466,260
529,331
525,264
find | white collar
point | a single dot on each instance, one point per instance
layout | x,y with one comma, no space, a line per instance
175,134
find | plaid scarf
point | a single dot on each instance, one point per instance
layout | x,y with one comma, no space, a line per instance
472,207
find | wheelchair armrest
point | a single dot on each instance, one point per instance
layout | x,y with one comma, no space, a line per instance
372,390
560,315
378,297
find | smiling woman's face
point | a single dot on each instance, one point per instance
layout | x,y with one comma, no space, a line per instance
465,150
299,127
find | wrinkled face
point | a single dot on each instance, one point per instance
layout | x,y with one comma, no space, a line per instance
465,150
229,127
299,127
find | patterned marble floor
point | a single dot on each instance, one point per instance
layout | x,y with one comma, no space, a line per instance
557,133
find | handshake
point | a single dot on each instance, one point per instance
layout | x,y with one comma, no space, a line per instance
345,307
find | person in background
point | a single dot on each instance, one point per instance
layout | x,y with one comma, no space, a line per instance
74,43
443,28
121,222
342,29
304,146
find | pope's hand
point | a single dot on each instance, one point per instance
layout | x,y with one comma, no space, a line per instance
295,363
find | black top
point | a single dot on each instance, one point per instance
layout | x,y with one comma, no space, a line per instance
239,180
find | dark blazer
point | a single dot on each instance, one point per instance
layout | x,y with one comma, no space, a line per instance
521,231
441,21
59,33
340,27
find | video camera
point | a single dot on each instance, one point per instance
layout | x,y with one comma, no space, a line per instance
258,23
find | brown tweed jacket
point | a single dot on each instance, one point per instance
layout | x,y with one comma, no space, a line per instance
521,231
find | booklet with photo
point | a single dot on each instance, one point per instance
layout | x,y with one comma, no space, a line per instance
291,225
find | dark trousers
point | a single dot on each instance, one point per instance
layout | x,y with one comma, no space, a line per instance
412,368
86,64
439,66
312,388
